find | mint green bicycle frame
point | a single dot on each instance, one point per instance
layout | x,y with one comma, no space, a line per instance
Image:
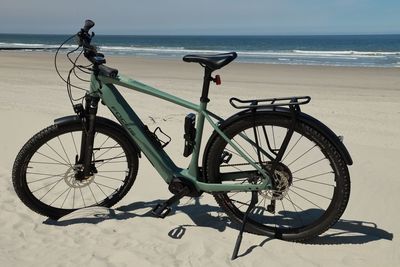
104,88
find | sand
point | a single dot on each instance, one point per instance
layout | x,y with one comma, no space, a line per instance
362,104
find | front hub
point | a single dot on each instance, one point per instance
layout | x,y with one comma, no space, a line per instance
74,178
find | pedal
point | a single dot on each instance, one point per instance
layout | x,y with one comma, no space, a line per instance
163,209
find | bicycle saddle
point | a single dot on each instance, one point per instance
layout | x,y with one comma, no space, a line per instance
213,62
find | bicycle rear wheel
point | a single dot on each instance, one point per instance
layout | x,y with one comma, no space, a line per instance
312,179
45,170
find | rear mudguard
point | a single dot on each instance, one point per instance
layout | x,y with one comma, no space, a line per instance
99,120
283,112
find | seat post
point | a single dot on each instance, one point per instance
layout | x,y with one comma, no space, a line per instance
194,169
206,85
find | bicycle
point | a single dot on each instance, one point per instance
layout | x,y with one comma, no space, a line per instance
272,168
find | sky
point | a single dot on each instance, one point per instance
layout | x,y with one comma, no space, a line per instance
205,17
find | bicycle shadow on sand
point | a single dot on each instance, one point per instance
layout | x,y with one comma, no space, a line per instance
198,213
345,231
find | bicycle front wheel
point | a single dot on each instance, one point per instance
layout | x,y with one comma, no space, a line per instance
45,170
312,184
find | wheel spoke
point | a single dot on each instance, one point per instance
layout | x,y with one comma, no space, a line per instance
73,140
233,194
109,149
287,154
45,178
106,147
305,198
62,205
83,199
40,188
69,188
294,207
245,136
260,201
107,160
44,174
107,177
115,171
61,163
313,176
113,162
57,182
110,159
301,155
242,203
233,152
48,163
73,199
311,164
305,190
243,150
237,168
101,145
312,181
273,136
104,185
93,194
58,154
254,148
100,189
69,162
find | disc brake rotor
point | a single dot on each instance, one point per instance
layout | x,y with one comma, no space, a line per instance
70,180
283,180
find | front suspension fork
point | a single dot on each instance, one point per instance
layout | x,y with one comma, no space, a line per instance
88,132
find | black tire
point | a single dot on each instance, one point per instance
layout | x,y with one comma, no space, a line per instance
315,183
47,161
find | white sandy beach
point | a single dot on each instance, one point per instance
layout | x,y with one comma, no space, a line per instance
363,104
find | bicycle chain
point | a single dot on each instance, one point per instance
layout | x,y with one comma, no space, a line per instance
276,194
241,164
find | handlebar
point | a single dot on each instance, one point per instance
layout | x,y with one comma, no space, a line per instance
90,51
84,40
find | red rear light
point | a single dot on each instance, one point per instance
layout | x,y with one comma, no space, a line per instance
217,80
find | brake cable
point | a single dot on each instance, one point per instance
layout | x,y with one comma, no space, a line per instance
72,70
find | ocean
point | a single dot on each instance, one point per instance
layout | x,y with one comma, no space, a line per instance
329,50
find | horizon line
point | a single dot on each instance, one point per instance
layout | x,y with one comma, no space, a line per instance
194,35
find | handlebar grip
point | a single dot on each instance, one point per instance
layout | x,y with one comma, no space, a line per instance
88,25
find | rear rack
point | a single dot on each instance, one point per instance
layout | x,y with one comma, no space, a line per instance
269,102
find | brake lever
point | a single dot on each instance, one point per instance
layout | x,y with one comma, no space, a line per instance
84,39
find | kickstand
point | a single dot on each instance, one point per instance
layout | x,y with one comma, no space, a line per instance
253,202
